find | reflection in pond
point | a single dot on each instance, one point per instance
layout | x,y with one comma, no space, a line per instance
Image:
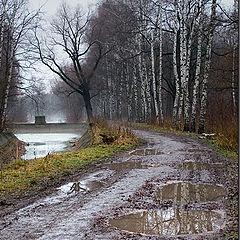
41,144
172,221
121,166
187,192
200,165
147,151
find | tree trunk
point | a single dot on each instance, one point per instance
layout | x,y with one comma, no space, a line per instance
160,64
88,105
233,83
183,62
7,75
2,18
188,59
154,76
175,71
206,69
198,69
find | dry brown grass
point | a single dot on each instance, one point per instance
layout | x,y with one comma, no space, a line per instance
119,131
227,135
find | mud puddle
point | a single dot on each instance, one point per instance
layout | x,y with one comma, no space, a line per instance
171,221
146,151
189,165
92,182
122,166
74,187
187,192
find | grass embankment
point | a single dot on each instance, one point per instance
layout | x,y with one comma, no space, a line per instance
21,175
225,140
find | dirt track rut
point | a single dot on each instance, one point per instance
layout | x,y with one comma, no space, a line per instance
115,188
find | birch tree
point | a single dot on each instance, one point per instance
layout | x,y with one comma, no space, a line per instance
160,62
198,68
154,82
176,119
203,107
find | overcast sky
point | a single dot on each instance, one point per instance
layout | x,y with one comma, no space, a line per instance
50,7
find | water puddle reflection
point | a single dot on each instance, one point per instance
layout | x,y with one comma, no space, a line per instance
121,166
172,221
75,187
92,182
147,151
187,192
199,165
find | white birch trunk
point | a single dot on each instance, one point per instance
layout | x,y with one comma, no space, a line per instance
110,91
198,70
206,69
160,63
8,77
10,45
135,92
2,20
233,83
140,68
147,92
188,58
129,89
120,94
175,72
154,76
183,57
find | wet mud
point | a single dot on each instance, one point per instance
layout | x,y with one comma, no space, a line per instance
146,151
156,192
123,166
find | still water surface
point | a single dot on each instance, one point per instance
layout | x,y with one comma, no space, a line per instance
41,144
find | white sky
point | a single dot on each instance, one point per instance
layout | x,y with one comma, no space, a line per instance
50,6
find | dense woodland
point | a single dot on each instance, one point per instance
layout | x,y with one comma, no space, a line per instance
159,61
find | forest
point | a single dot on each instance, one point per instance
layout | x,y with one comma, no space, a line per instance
119,121
166,62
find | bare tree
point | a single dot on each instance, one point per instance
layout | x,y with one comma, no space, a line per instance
15,23
69,33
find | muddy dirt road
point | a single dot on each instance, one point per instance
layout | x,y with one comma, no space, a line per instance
170,188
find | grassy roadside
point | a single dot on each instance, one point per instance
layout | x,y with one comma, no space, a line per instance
20,175
227,149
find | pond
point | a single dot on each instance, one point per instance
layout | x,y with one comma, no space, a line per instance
42,144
